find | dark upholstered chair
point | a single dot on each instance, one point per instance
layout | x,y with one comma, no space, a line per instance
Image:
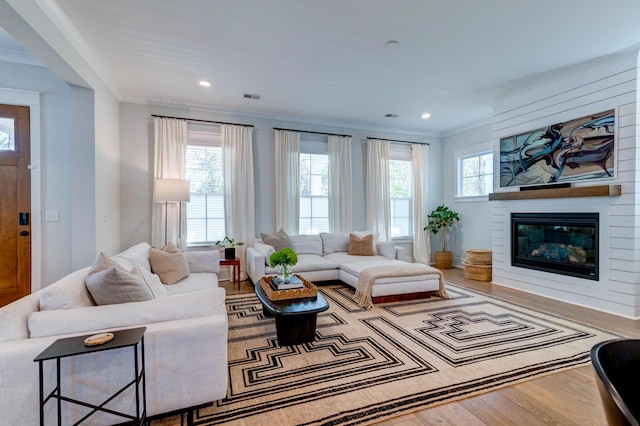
617,366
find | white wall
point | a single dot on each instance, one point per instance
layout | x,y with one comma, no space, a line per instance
63,165
136,146
593,87
472,232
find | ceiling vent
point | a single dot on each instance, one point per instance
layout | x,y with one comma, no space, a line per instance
391,115
251,96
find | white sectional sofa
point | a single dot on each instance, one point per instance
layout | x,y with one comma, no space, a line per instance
185,343
325,257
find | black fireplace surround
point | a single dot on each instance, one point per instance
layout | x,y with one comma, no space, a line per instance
561,243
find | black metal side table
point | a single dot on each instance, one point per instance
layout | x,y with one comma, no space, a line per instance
74,346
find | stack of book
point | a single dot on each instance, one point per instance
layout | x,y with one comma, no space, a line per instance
294,282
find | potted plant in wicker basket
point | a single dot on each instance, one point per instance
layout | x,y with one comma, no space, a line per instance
441,219
284,259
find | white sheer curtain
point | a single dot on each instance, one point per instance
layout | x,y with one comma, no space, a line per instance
170,144
287,170
419,165
378,199
239,201
340,184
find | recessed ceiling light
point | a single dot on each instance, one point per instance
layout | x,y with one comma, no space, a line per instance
205,83
426,116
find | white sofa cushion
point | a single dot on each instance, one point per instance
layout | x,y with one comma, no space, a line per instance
193,283
203,261
334,242
341,258
135,254
312,262
113,285
96,318
68,292
306,244
387,249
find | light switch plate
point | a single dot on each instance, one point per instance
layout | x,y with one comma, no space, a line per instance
51,216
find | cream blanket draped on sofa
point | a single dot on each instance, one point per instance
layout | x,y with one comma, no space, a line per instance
367,277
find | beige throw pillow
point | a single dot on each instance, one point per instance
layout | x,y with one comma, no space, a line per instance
361,246
278,241
113,285
171,266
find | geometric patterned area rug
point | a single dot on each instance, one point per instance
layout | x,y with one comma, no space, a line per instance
370,365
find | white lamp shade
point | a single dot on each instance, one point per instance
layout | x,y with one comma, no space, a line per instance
171,190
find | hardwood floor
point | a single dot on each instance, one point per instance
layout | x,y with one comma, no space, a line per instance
566,398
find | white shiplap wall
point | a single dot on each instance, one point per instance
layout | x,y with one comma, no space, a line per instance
608,83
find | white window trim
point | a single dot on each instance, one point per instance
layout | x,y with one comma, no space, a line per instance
467,152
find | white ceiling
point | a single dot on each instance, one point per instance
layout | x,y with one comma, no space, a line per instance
325,61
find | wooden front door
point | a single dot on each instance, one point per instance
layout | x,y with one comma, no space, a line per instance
15,204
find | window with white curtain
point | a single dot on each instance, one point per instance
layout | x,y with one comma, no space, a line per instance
314,187
474,172
205,211
400,184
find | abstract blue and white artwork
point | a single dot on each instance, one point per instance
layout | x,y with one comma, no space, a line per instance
579,149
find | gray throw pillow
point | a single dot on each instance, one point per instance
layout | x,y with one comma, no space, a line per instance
278,241
113,285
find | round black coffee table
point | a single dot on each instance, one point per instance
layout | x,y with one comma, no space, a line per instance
295,318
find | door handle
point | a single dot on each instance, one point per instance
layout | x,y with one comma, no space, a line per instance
24,233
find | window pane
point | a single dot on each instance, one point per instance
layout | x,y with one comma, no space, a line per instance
475,174
314,191
400,191
205,211
7,136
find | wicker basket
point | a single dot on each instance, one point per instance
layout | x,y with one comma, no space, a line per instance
479,256
477,272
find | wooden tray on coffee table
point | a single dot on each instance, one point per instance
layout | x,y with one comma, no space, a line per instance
309,290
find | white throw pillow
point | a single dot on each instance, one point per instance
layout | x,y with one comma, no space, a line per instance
306,244
203,261
152,280
333,242
136,254
113,285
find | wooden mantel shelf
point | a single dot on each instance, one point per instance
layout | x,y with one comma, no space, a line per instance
572,192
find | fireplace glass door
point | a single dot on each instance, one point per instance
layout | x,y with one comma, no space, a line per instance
561,243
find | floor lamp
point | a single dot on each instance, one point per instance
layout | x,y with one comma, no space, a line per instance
172,191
